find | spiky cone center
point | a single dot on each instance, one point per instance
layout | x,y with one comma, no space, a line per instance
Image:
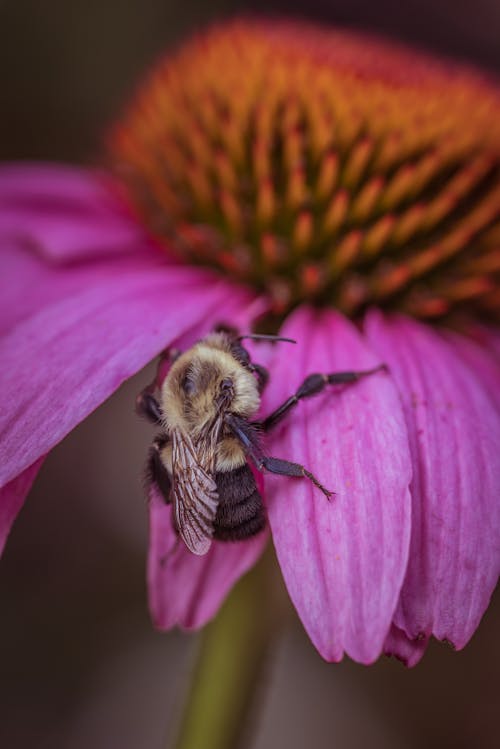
322,166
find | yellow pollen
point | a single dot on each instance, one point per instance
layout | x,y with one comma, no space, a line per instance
321,165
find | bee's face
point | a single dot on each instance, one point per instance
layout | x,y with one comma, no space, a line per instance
204,391
203,383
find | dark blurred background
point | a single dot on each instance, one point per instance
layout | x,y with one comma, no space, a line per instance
80,664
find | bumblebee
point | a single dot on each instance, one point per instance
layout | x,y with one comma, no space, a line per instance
199,459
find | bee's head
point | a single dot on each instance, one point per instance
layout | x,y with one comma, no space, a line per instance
204,383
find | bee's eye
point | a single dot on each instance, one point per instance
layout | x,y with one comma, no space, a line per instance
188,385
226,384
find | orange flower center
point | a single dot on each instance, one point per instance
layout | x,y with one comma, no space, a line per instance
323,166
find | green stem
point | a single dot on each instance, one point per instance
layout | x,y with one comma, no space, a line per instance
234,650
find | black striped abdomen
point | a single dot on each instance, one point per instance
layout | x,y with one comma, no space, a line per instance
240,513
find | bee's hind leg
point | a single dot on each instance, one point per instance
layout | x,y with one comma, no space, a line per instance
158,478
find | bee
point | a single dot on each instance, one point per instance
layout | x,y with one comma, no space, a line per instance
199,460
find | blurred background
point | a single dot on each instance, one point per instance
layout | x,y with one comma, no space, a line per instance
80,664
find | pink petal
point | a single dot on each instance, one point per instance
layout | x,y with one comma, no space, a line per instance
12,498
408,651
61,361
484,363
29,283
185,589
492,340
343,561
454,431
488,337
65,213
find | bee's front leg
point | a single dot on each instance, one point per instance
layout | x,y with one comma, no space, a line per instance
167,358
146,405
170,355
314,384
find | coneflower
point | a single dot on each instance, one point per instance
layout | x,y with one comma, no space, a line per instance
345,192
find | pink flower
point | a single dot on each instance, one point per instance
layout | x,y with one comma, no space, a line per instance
347,186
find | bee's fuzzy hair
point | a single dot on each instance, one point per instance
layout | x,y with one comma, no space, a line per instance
206,364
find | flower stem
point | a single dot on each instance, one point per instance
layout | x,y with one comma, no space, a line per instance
234,650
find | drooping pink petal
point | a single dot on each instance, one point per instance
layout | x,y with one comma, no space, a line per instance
64,359
12,497
65,213
454,432
410,652
184,589
343,561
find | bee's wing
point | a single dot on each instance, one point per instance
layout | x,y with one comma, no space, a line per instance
194,494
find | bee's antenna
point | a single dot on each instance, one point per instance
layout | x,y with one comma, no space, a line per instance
264,337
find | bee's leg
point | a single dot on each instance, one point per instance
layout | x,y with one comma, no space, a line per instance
158,477
248,436
146,405
167,358
156,473
313,385
286,468
170,355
